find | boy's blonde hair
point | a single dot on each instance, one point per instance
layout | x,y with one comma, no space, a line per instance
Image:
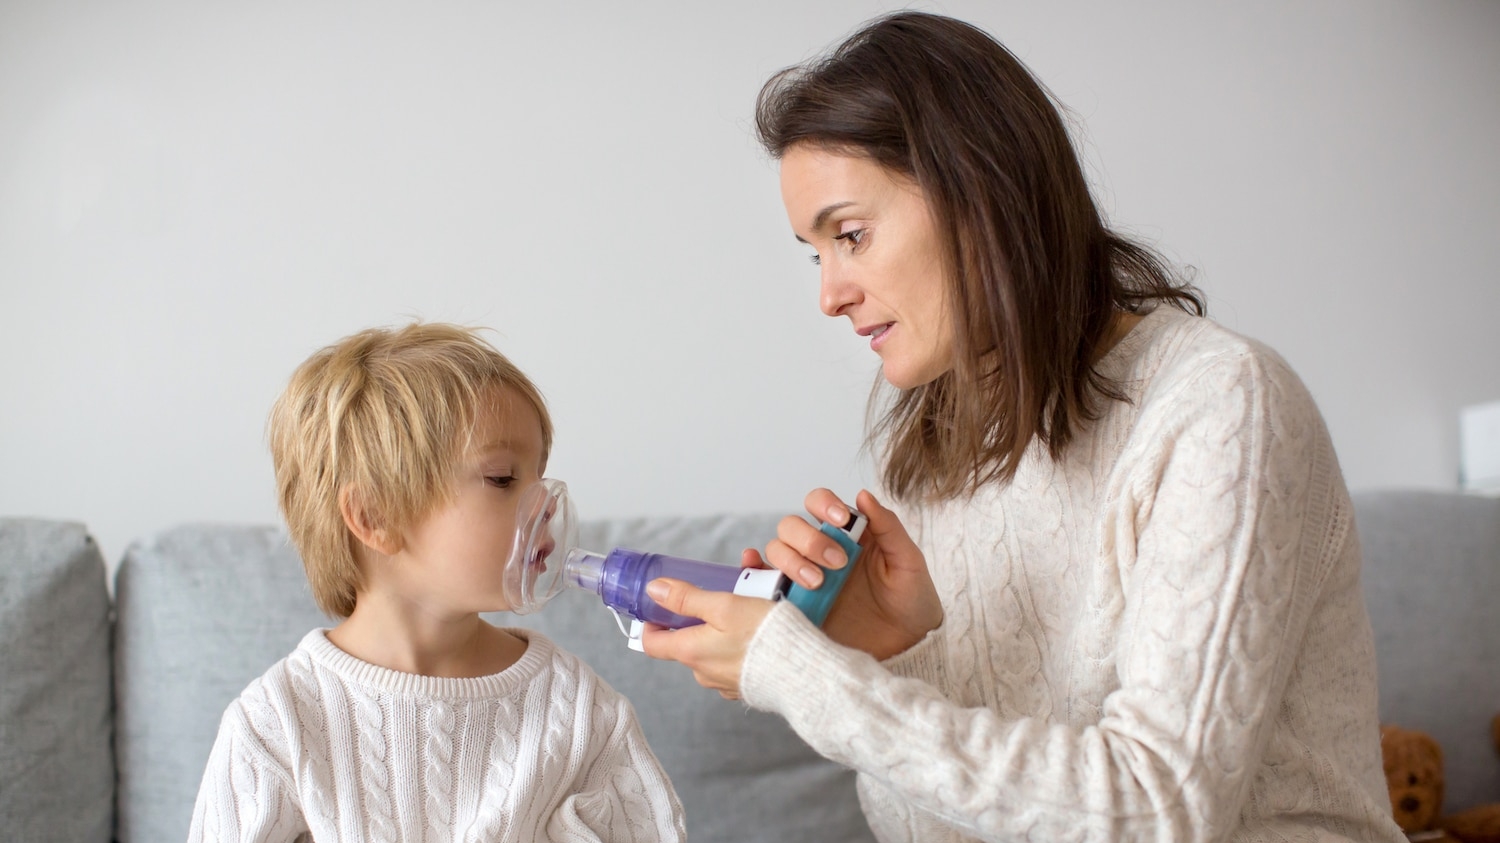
387,414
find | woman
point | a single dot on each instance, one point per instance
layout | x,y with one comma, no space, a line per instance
1118,597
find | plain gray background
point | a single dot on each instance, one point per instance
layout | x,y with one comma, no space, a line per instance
193,197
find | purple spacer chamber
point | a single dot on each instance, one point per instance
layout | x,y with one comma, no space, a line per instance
620,580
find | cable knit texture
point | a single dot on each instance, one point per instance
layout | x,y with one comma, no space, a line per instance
336,748
1159,636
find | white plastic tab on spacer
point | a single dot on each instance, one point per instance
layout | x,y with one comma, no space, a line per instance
765,583
635,643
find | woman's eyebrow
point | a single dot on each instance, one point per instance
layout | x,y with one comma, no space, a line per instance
822,217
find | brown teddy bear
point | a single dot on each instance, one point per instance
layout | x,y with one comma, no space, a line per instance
1479,824
1414,776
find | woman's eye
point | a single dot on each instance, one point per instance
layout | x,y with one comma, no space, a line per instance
500,482
854,235
815,259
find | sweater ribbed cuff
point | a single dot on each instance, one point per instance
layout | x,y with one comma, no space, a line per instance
785,660
923,660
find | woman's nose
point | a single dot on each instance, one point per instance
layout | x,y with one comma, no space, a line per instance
836,292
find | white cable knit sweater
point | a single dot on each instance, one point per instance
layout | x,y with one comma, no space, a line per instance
1161,636
326,744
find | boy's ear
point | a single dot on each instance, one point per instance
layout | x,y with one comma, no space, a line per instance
366,525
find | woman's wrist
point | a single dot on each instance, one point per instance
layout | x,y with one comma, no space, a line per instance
776,658
922,660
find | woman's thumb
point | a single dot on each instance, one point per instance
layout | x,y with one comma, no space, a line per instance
883,523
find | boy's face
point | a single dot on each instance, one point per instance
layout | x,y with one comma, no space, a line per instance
457,554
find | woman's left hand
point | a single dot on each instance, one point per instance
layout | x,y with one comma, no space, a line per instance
715,649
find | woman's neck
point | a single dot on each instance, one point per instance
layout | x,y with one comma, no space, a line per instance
1119,328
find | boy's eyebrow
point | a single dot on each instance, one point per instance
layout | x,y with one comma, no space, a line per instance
496,446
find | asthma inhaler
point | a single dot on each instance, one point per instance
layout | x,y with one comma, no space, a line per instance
620,578
815,602
544,559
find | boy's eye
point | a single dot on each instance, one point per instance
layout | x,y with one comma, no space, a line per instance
500,482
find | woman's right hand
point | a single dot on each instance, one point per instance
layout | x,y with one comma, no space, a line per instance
889,602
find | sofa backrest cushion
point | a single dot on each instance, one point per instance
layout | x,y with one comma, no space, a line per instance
1432,584
56,764
200,611
203,610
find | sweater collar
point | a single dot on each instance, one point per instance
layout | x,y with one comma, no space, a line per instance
537,658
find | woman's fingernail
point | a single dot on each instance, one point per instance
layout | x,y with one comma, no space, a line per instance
834,558
811,576
837,515
658,590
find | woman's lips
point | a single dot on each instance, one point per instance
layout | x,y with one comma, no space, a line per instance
878,335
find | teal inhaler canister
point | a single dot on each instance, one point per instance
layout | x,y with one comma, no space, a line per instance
815,602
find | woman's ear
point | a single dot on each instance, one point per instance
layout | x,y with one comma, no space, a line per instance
365,525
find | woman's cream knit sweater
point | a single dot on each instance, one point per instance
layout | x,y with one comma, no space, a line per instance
1160,636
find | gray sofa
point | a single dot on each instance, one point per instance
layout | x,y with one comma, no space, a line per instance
108,705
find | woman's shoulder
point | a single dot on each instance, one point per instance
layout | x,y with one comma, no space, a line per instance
1195,377
1180,352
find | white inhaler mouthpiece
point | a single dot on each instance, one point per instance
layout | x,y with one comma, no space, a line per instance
546,529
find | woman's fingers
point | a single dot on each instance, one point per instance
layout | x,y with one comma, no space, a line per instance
684,598
800,550
751,558
794,564
714,649
824,505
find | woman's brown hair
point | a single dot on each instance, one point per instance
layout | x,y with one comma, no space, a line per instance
1035,275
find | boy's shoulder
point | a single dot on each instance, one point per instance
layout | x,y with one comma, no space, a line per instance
279,684
561,664
567,671
272,707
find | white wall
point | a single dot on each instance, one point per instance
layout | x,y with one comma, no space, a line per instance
195,196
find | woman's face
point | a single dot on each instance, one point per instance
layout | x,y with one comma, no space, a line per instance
879,255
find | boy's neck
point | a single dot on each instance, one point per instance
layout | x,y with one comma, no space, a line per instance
404,638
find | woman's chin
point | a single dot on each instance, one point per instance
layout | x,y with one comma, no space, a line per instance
902,377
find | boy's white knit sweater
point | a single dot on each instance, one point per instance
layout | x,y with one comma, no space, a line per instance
1159,636
328,744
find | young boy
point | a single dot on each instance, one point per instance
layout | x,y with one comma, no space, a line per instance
400,458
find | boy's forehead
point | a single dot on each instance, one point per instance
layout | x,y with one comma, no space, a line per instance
506,421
